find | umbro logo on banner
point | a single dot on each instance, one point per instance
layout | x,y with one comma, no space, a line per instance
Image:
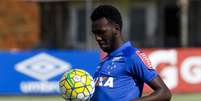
42,66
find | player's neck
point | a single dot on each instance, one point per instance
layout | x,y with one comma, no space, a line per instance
118,43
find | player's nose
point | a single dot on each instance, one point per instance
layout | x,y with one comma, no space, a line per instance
98,38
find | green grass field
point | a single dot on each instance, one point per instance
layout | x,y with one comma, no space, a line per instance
175,97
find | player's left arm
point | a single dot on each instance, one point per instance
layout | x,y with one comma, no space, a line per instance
144,71
160,93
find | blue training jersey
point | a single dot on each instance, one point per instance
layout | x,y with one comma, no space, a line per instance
122,74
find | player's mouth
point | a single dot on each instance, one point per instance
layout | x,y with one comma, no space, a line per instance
102,45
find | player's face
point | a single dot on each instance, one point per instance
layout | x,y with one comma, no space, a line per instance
104,34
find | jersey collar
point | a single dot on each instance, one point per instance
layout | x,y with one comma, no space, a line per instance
119,50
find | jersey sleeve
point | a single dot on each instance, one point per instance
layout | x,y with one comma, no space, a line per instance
141,67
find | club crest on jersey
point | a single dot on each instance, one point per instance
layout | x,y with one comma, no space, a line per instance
144,58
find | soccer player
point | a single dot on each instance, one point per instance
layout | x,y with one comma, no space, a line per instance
123,72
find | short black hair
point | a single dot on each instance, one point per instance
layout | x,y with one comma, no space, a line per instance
109,12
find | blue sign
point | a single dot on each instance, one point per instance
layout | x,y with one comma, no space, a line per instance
38,72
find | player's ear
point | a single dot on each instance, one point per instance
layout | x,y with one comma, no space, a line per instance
117,29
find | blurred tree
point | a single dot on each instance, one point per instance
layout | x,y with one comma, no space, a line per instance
18,24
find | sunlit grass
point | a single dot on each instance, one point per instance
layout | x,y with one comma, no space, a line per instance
175,97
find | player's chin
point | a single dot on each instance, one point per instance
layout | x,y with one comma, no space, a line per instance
105,49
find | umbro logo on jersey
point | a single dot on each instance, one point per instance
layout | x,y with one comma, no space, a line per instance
117,58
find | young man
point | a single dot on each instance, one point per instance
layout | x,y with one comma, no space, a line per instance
123,72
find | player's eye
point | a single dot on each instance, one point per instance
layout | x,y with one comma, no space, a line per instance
98,32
